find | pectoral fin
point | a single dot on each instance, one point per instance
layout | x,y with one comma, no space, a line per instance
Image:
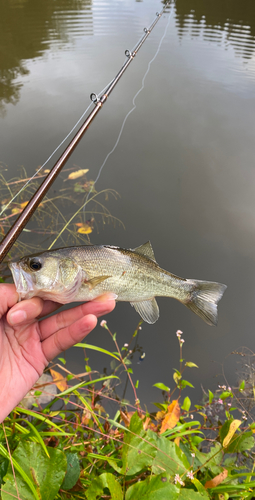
96,281
148,310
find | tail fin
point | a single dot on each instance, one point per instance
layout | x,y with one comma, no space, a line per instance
204,298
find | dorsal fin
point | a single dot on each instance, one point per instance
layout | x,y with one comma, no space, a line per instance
146,249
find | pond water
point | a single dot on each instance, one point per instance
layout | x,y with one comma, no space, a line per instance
184,165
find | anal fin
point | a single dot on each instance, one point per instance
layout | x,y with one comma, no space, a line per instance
148,310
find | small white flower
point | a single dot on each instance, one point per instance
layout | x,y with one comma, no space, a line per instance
103,323
229,389
220,401
179,333
125,345
182,340
191,416
177,479
190,475
193,455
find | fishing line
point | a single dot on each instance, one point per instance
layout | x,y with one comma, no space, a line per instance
131,110
119,136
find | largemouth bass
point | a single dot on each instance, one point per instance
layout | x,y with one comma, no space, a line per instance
83,273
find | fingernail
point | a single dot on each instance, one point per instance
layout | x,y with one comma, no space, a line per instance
17,317
106,296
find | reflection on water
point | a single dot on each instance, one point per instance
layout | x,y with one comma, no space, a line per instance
220,21
28,29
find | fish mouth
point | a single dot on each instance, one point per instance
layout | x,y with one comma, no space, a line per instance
23,281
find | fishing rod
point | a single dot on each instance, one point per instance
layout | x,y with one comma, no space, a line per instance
13,233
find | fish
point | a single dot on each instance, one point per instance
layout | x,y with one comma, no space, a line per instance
82,273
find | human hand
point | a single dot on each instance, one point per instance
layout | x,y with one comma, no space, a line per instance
27,345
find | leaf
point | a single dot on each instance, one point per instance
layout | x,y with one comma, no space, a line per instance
73,471
45,474
241,443
161,386
172,416
232,429
211,460
176,378
98,485
139,448
225,395
186,404
242,386
169,458
185,383
217,479
24,204
3,469
77,174
153,488
99,349
59,380
85,229
191,365
211,396
187,494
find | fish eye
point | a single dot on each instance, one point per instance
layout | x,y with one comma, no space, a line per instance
35,264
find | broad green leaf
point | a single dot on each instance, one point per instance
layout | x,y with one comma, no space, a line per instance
225,395
99,349
139,447
169,458
241,443
162,387
186,404
153,488
185,383
98,485
211,460
187,494
73,471
45,474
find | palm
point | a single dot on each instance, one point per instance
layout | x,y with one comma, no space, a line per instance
27,345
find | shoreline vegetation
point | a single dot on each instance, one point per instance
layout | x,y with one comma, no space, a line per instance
65,445
62,443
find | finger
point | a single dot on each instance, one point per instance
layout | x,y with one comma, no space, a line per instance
9,297
25,311
63,319
67,337
49,307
